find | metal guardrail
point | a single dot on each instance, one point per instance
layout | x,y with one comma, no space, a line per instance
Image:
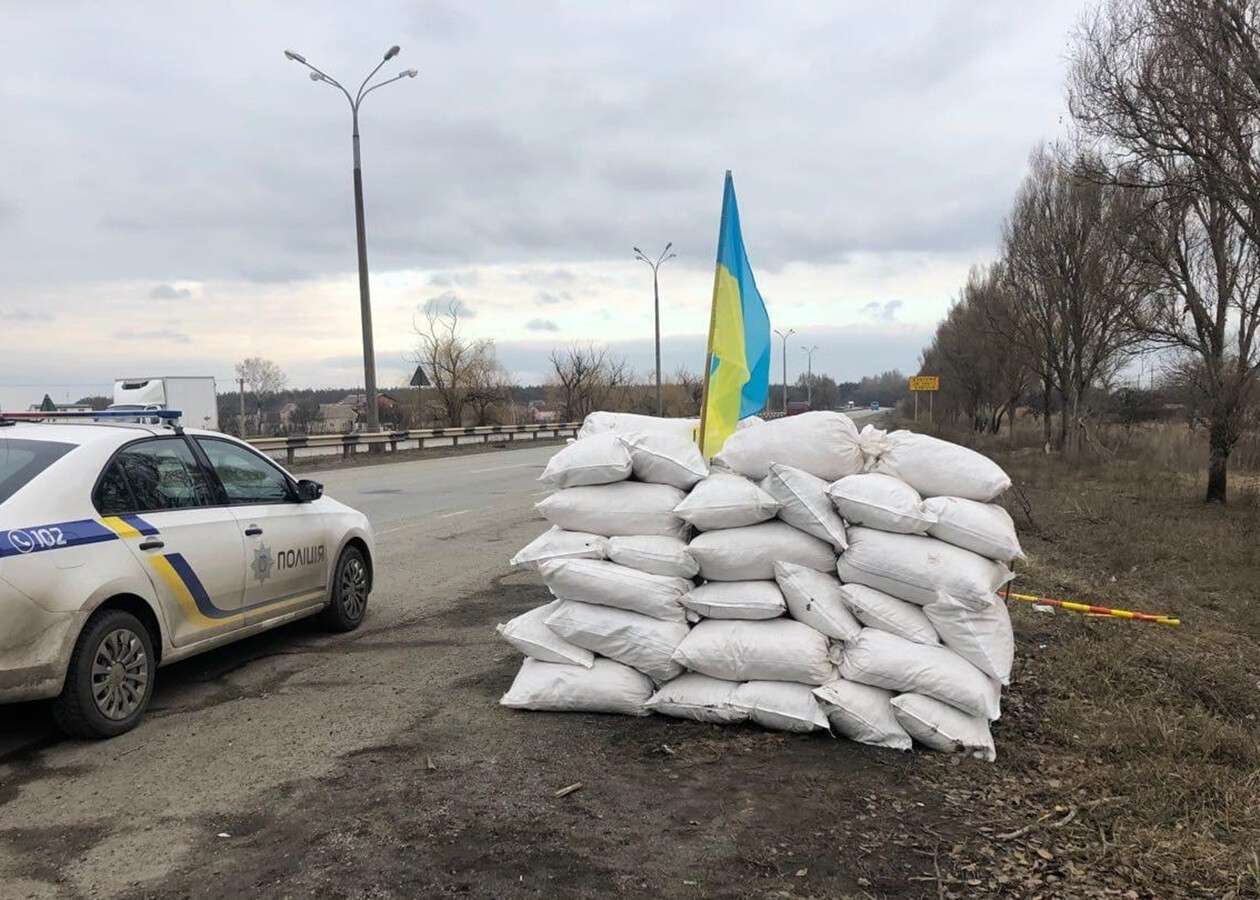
350,443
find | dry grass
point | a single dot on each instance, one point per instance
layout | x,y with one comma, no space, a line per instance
1166,720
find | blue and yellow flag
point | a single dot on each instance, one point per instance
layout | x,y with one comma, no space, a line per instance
739,337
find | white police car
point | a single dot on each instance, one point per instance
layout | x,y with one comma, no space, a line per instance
124,547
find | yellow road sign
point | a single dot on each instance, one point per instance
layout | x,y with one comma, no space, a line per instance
925,382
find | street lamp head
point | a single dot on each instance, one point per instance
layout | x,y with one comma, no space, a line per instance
637,250
410,73
392,52
296,57
667,246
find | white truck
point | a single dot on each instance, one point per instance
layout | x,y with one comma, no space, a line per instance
193,395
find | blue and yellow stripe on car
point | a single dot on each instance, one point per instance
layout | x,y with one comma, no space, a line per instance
188,590
128,526
178,575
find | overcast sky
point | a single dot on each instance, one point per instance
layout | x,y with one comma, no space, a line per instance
177,195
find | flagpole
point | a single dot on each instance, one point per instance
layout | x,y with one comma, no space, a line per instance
708,347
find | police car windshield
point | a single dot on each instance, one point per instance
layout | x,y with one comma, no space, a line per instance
22,460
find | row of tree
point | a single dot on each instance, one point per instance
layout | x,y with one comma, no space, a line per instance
1140,234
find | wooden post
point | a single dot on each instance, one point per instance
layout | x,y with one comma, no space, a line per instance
916,406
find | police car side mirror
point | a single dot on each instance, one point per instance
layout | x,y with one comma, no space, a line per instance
309,491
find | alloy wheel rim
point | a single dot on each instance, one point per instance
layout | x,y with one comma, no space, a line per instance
354,588
120,674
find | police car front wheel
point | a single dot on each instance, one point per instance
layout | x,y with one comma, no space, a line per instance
110,679
352,582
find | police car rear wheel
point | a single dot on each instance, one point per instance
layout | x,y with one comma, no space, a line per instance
351,586
110,679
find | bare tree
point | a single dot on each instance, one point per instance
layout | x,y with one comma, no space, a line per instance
1170,90
1074,277
449,359
262,378
586,378
984,377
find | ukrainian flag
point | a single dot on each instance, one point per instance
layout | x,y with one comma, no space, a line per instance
739,337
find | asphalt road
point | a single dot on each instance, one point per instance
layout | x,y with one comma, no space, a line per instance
231,723
238,780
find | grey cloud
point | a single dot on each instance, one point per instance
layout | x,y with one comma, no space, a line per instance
542,325
466,279
169,292
566,145
25,315
447,302
883,312
159,334
550,298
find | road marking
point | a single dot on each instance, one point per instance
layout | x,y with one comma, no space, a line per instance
458,512
501,468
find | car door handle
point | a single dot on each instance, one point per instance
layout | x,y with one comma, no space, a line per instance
152,545
253,531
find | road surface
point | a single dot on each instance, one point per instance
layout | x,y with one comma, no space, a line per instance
378,763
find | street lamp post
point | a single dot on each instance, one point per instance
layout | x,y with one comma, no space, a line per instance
809,376
365,299
785,335
665,257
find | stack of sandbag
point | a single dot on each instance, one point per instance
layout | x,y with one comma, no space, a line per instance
712,594
616,561
928,552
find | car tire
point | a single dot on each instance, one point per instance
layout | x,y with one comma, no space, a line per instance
110,679
352,583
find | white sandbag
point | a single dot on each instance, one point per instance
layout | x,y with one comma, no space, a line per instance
749,553
780,705
885,660
606,686
600,459
941,727
824,444
529,634
556,543
880,501
624,423
608,584
736,600
660,457
862,713
749,422
637,640
656,553
875,609
937,468
726,501
804,503
771,650
914,567
699,698
627,507
983,528
983,637
817,599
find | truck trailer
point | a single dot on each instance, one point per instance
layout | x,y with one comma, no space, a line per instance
193,395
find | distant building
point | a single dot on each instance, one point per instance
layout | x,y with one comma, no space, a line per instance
336,418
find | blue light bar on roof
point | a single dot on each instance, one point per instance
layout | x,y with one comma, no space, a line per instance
37,415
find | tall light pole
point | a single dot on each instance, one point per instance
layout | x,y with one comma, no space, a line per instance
785,335
365,298
665,257
809,377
